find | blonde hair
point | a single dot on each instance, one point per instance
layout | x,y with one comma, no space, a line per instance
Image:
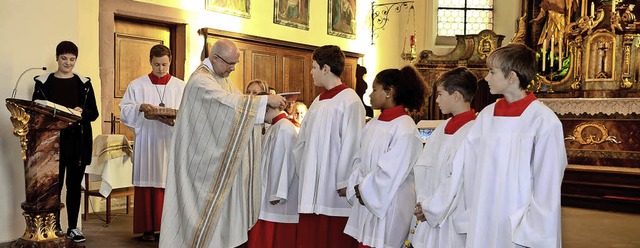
264,87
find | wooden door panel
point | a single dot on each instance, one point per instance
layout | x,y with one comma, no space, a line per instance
132,41
263,66
294,75
131,62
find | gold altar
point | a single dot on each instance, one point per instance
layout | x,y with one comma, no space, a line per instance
589,73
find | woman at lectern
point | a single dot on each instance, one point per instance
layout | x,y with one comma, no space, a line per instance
67,88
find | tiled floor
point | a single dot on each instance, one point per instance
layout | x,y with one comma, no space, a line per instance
581,228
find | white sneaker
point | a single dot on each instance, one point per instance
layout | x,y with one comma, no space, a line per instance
76,235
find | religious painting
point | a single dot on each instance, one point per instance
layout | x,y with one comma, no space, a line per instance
292,13
342,18
232,7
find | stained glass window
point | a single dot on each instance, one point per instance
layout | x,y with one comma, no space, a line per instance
457,17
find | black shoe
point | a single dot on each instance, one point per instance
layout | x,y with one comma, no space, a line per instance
75,235
148,236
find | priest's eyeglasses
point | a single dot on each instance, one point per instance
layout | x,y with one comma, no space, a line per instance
227,62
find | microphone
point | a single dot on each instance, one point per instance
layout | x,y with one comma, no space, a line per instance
15,88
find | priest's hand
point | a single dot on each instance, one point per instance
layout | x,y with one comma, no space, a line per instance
418,213
357,189
276,101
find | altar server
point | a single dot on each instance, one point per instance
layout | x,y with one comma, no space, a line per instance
381,186
277,222
438,183
324,152
152,137
514,159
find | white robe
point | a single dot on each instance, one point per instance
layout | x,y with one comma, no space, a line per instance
279,179
513,169
152,137
439,190
326,146
383,169
213,183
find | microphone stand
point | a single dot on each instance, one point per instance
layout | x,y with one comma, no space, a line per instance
15,88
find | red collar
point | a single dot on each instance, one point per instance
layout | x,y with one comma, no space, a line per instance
392,113
503,108
295,123
164,80
279,117
458,121
328,94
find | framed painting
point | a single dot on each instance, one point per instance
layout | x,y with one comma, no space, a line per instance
232,7
342,18
292,13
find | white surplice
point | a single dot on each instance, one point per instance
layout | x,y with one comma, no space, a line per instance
279,179
383,169
513,169
152,137
439,189
324,152
213,183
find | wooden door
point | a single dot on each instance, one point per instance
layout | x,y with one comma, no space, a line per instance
133,40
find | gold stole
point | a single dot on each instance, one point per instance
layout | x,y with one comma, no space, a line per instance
236,152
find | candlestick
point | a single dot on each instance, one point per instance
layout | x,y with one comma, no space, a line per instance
560,41
544,55
553,38
583,8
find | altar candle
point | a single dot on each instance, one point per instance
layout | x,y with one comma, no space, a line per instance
593,9
544,55
560,41
583,8
553,38
613,5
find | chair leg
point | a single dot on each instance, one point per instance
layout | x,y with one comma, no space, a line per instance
108,209
127,208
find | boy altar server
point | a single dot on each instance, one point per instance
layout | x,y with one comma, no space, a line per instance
438,183
324,152
514,160
276,226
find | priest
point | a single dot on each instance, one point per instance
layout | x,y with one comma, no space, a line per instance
213,182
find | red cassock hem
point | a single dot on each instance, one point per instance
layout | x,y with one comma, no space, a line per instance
147,209
323,231
267,234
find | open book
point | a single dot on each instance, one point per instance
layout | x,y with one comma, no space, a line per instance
58,107
290,96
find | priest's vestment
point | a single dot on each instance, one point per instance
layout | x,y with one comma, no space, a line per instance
213,183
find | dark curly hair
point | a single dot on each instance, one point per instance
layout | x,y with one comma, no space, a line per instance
411,90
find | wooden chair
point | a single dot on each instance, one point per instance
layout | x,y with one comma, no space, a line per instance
119,192
126,192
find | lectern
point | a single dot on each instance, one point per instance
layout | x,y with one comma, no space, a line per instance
38,128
